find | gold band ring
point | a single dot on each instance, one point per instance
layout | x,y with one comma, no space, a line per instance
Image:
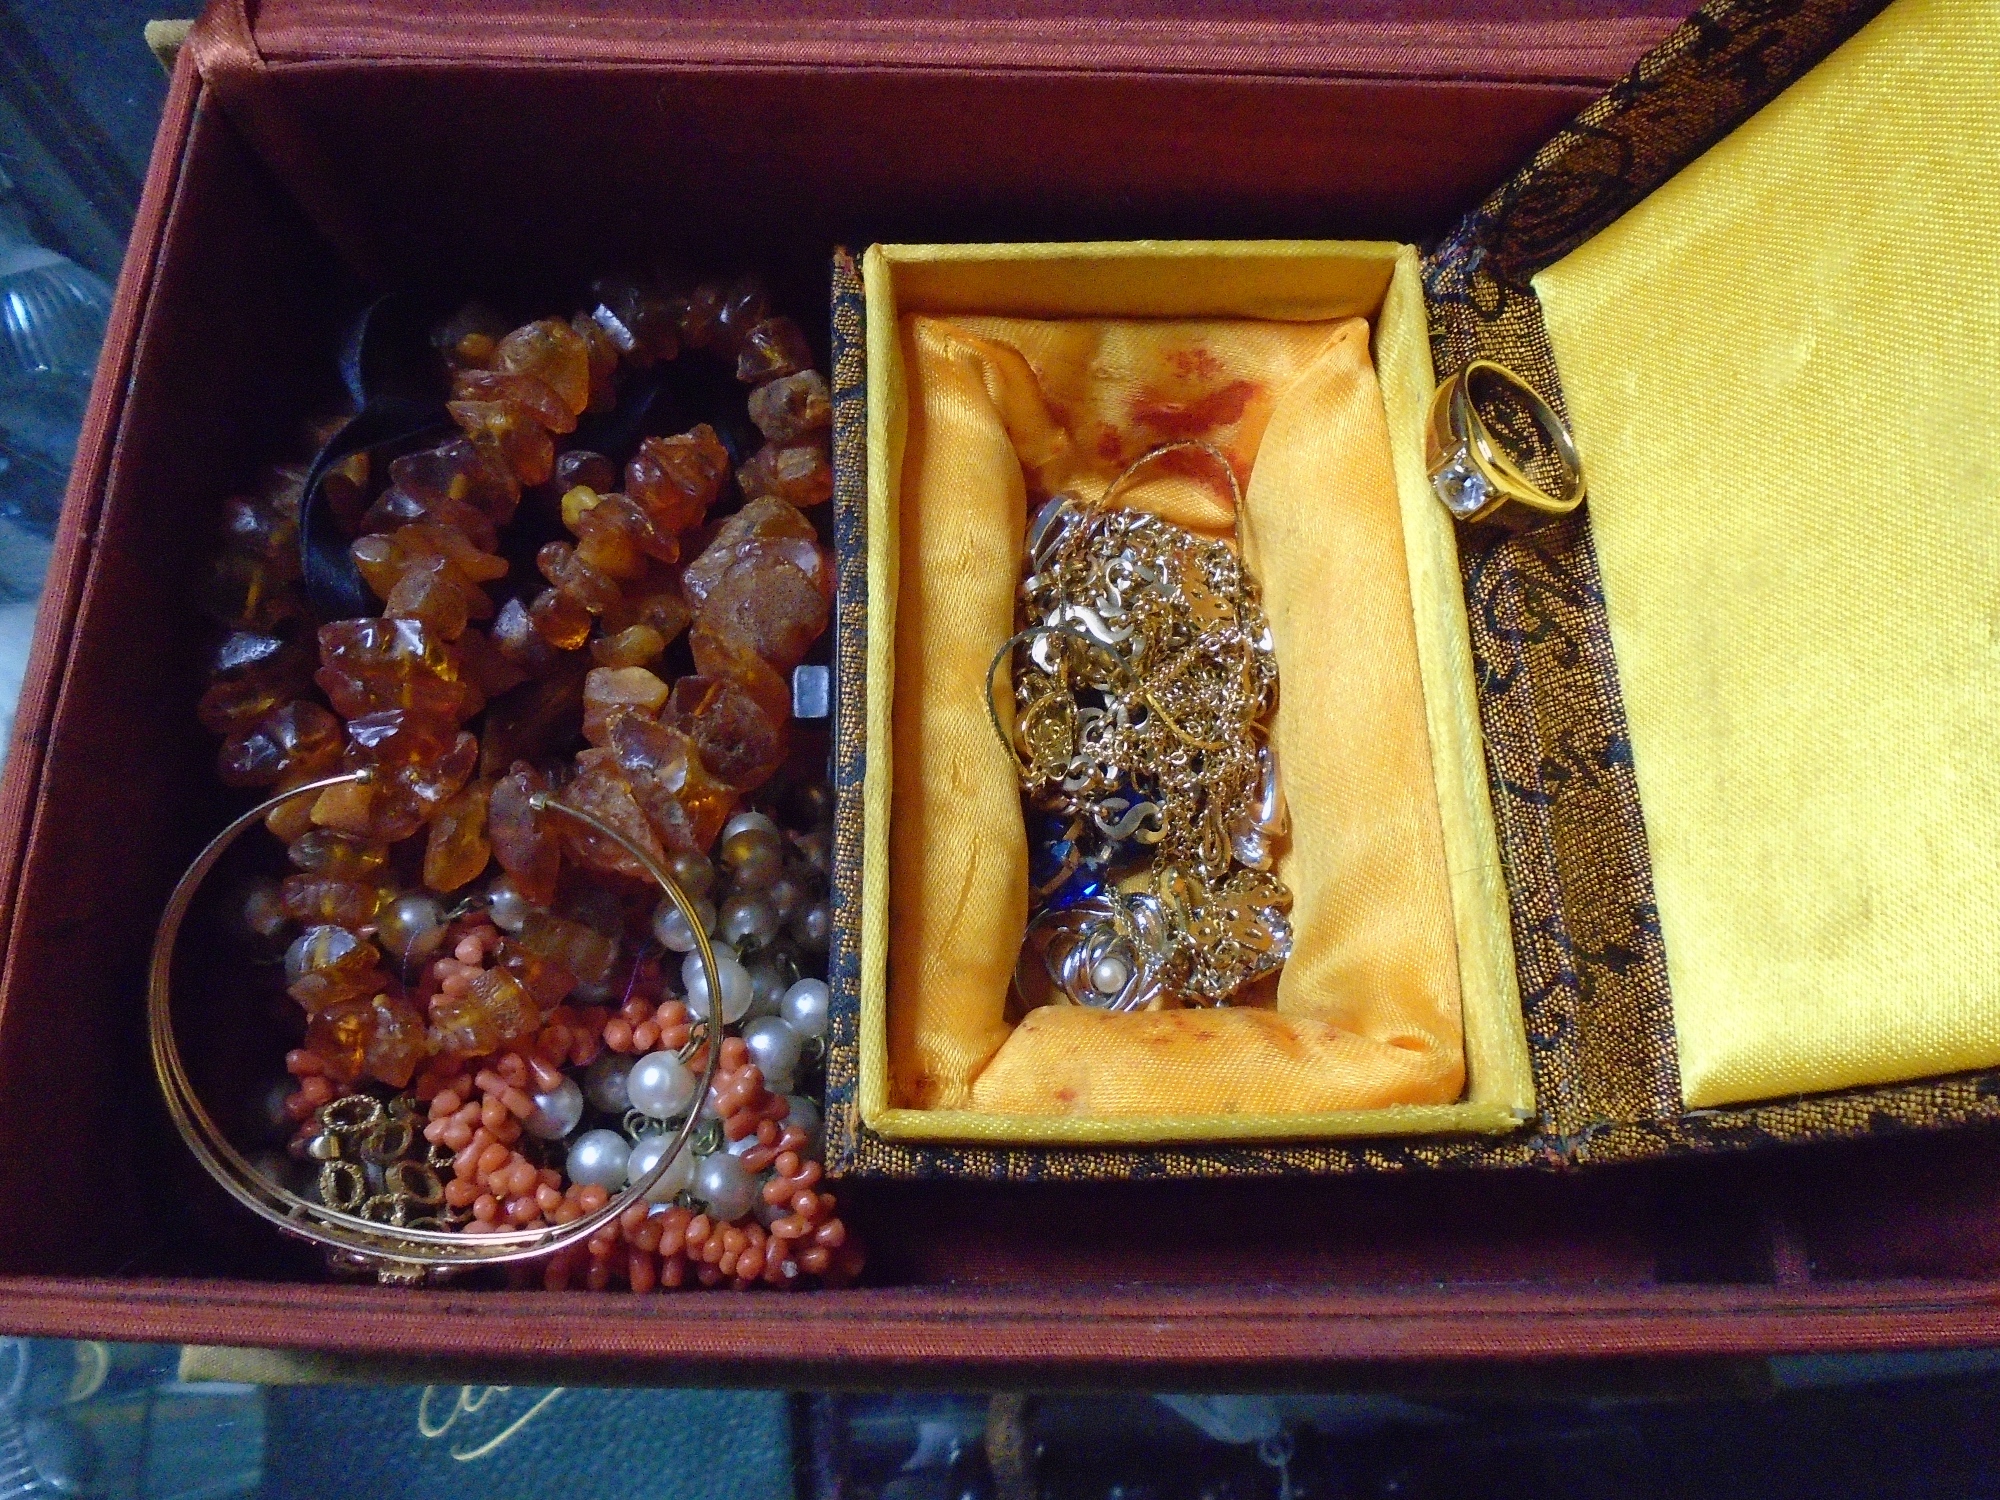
1475,475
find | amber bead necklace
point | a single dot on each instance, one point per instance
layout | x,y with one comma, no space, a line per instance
464,1024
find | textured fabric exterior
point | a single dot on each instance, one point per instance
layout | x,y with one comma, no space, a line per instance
1792,496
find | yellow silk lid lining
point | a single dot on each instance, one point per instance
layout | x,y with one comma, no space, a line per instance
1784,372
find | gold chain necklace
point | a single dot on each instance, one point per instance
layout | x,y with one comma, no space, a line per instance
1143,679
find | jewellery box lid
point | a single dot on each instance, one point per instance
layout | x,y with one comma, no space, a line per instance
1740,712
1542,41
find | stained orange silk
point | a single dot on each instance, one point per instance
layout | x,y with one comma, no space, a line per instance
1003,412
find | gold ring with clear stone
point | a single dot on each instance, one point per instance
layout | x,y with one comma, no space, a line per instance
1476,478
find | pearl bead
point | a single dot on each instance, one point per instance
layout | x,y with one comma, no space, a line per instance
814,926
735,985
557,1112
759,868
604,1082
646,1154
692,872
1109,974
598,1159
746,820
263,914
767,989
753,850
661,1086
802,1112
774,1046
816,848
723,1183
410,928
506,906
672,929
805,1007
787,894
748,922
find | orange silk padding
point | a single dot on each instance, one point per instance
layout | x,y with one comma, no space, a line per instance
1003,412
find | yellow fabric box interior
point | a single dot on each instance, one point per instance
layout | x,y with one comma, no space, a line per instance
1001,373
1780,369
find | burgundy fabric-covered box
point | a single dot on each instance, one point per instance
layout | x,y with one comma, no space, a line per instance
314,150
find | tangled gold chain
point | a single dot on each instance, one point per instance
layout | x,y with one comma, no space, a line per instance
1141,682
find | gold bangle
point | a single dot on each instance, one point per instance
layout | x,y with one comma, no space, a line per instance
393,1253
1475,476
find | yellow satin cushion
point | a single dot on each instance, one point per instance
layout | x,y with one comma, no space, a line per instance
1400,919
1784,373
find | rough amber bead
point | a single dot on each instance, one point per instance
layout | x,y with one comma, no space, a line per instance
245,593
508,431
603,356
617,538
373,663
524,843
676,479
468,338
611,691
766,525
685,804
459,470
559,619
323,852
633,646
396,508
518,638
577,947
575,578
329,964
543,404
770,606
638,319
664,610
552,352
396,737
801,475
547,982
458,851
299,739
602,790
256,528
398,1042
430,592
788,409
233,707
719,655
774,348
494,1010
322,899
745,304
738,743
700,315
581,467
257,654
338,1035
